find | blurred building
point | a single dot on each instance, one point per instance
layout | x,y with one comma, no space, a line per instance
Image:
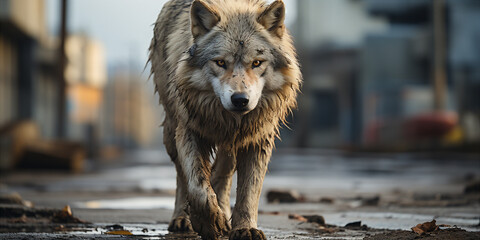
328,35
398,73
131,116
29,75
368,73
117,114
464,63
28,87
29,91
86,75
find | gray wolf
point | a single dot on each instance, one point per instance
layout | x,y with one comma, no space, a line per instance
227,75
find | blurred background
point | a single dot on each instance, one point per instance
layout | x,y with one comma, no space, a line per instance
396,75
389,114
391,75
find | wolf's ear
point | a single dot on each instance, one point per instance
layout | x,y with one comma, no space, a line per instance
273,18
202,18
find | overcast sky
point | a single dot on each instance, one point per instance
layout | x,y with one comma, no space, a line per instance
123,26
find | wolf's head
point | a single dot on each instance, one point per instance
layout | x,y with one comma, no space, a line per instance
238,50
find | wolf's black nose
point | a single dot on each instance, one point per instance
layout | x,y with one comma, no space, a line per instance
239,100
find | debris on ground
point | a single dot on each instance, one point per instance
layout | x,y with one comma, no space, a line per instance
315,219
18,218
114,227
65,216
354,224
425,227
284,196
442,234
18,214
357,226
53,154
327,228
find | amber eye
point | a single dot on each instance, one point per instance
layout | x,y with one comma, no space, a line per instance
221,63
256,63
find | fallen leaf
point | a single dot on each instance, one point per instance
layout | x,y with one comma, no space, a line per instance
119,232
67,210
425,227
418,230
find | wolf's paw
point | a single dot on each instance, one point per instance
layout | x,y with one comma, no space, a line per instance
247,234
180,224
215,228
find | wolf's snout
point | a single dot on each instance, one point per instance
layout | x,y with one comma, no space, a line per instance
240,100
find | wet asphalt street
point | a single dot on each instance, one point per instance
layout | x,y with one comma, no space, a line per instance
383,191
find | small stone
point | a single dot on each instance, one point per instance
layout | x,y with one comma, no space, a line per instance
279,196
354,224
315,219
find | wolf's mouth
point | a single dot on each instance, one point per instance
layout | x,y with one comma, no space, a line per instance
241,111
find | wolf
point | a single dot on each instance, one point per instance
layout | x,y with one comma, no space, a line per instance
227,76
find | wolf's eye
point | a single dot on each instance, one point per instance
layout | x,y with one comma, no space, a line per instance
256,63
221,63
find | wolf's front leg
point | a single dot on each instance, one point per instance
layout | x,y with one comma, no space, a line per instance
180,220
222,172
251,168
208,220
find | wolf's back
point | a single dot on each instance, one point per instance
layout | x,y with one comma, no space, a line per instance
171,38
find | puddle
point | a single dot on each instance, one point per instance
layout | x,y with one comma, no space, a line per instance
129,203
159,231
138,231
145,231
135,229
